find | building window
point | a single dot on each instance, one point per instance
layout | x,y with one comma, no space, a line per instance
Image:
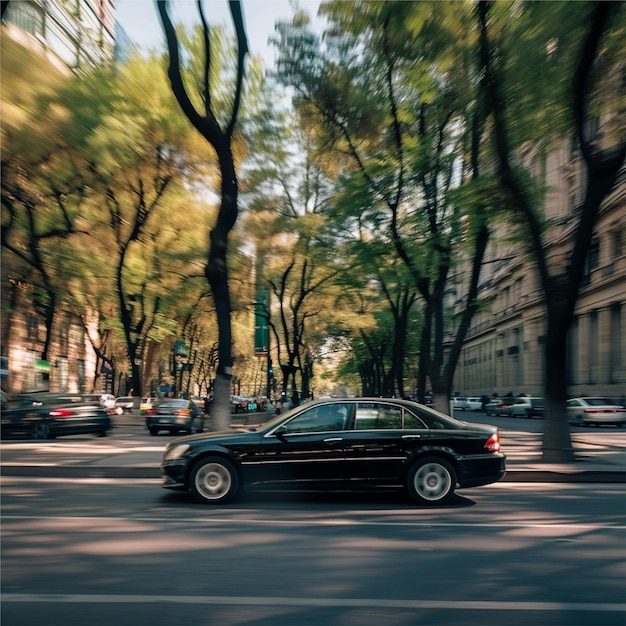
593,347
617,242
616,355
28,16
592,262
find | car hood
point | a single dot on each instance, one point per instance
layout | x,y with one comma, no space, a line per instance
217,436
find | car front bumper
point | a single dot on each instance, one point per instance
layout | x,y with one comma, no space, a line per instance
173,474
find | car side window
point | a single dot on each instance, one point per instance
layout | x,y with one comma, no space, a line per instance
323,418
412,421
372,415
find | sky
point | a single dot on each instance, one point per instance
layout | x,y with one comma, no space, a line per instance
141,23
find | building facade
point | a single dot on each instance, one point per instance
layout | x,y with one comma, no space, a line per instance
504,348
73,35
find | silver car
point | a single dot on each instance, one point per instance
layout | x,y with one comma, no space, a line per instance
594,411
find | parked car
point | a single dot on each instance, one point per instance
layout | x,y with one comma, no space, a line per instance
459,404
176,415
527,407
474,404
124,404
356,442
595,411
50,415
498,407
146,403
107,401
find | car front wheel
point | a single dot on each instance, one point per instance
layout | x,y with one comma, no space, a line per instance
214,480
431,481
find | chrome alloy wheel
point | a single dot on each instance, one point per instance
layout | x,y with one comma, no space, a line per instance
214,480
431,480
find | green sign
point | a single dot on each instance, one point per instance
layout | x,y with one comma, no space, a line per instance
180,349
42,366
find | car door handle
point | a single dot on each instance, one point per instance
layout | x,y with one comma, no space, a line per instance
332,440
411,436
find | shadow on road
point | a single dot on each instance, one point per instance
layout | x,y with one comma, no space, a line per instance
263,497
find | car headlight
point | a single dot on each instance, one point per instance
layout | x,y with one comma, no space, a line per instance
175,452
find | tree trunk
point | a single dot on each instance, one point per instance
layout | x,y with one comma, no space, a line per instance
557,443
217,274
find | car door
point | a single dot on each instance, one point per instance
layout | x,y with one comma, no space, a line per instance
309,447
383,437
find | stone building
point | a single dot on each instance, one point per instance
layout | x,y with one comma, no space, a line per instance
72,35
503,350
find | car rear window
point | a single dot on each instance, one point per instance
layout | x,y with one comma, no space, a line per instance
598,401
168,404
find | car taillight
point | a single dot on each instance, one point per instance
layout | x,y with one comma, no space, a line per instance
181,412
61,413
493,443
150,411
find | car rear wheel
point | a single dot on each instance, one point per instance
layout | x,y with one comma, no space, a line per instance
431,481
214,480
40,431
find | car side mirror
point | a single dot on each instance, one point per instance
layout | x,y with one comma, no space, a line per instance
280,433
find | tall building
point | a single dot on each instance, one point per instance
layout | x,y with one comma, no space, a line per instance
71,33
504,348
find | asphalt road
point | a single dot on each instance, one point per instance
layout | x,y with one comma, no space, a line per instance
104,552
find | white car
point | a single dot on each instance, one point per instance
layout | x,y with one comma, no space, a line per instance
474,404
595,411
527,407
124,404
459,404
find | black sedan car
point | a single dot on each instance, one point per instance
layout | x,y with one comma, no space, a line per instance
51,415
176,415
340,443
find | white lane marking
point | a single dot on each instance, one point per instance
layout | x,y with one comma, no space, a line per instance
460,605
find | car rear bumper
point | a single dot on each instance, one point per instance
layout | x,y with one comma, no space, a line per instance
481,470
607,418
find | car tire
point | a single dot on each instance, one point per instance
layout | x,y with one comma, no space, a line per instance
154,431
431,480
214,480
39,430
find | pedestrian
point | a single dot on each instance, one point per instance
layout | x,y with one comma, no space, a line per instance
208,400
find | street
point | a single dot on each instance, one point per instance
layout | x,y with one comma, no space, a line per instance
104,551
110,551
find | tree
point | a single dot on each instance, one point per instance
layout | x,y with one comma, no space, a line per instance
571,44
221,139
141,157
396,115
43,187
